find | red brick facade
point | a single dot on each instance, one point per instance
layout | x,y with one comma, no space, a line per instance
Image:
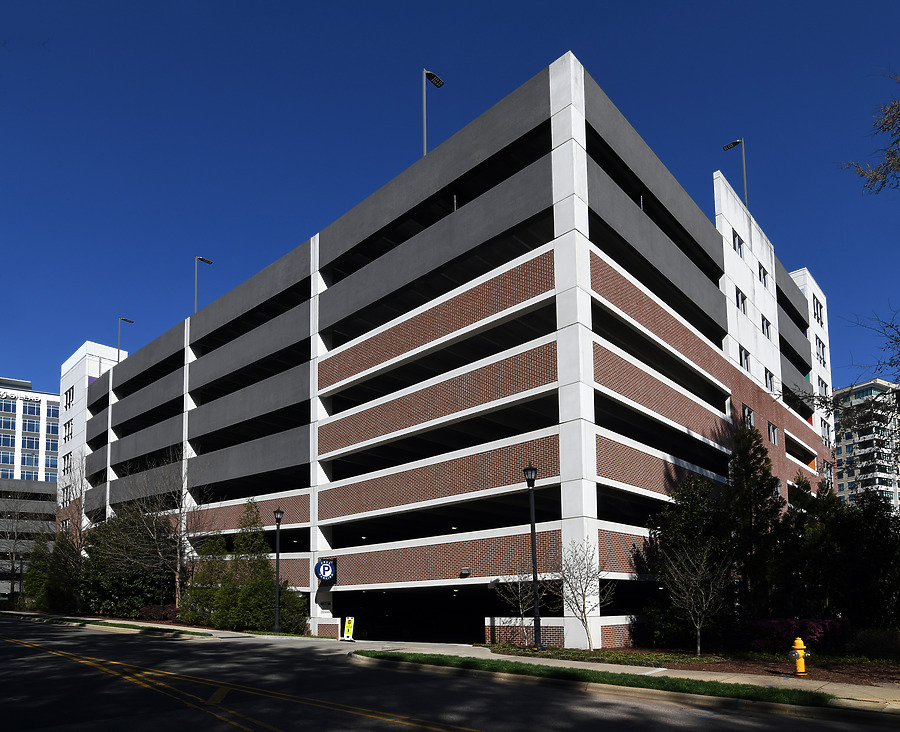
491,382
296,511
620,292
615,549
616,373
489,557
515,286
481,471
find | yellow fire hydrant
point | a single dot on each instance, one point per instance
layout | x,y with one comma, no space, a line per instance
798,653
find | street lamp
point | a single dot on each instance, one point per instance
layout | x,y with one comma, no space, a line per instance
438,82
279,514
119,340
205,261
744,160
530,477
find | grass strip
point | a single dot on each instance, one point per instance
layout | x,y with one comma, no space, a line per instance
749,692
110,624
621,658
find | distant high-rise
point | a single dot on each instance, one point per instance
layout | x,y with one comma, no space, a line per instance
867,441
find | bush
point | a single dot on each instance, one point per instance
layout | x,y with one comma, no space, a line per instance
875,643
154,612
777,636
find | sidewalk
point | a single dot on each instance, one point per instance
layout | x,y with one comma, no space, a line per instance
883,698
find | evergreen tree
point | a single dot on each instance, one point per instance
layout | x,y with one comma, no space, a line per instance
38,574
751,505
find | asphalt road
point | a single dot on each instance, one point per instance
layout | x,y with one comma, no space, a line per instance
64,678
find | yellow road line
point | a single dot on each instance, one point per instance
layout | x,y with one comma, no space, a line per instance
223,687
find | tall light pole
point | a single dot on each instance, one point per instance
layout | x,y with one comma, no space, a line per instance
279,514
530,477
198,259
438,82
119,339
743,160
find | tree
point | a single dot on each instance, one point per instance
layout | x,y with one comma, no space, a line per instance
696,579
126,560
237,591
750,507
690,551
516,591
885,174
581,586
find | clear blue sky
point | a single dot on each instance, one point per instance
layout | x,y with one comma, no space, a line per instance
135,135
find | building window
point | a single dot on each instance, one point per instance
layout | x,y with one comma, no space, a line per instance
740,300
820,351
7,423
29,475
838,450
8,405
7,474
823,387
52,428
50,461
840,486
7,440
7,458
848,436
773,434
31,460
51,445
747,416
31,425
840,475
67,463
737,243
53,410
67,431
770,380
69,397
763,276
766,327
744,356
818,311
31,443
49,477
31,409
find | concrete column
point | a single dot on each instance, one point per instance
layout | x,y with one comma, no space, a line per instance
574,336
320,601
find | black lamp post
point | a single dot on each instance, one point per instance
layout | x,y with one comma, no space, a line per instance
530,477
279,514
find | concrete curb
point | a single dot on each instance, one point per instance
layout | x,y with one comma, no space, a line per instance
843,709
144,630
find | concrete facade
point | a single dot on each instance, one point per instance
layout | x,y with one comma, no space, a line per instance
540,289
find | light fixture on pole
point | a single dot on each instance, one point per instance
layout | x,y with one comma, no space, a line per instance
205,261
279,514
438,82
119,339
530,477
744,160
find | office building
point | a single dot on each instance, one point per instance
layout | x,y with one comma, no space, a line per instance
538,289
29,437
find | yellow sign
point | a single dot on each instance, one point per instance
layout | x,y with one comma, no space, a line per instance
348,628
